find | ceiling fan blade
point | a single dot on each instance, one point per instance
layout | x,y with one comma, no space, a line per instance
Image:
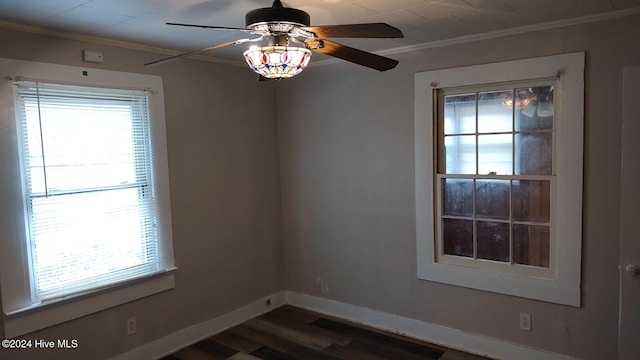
359,57
199,51
211,27
369,30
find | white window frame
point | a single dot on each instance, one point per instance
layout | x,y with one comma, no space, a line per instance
21,314
562,285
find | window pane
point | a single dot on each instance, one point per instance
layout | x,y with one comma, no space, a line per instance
460,154
495,154
531,245
457,197
494,115
102,156
534,154
493,241
94,234
458,237
460,114
87,146
492,199
538,114
531,201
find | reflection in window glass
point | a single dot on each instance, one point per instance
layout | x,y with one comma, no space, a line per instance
496,187
460,154
533,153
492,199
458,197
538,112
495,154
493,241
460,114
531,201
458,237
494,115
531,245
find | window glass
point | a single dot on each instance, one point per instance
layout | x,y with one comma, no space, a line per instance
458,197
458,237
493,241
530,201
531,245
495,115
460,114
495,154
460,154
496,141
492,199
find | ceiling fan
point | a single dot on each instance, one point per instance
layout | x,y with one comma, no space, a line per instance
280,26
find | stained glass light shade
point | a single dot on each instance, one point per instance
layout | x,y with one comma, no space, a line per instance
277,62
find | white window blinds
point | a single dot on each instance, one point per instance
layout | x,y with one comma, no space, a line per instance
89,187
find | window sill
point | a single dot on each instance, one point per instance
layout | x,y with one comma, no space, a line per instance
539,288
40,316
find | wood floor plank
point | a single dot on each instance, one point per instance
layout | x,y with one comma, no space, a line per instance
378,338
243,356
266,353
215,349
305,353
192,353
261,337
290,333
346,353
314,331
236,342
387,352
314,341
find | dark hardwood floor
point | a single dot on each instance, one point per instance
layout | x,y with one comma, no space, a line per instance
290,333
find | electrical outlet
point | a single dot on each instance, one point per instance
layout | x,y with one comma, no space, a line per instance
525,322
131,326
92,56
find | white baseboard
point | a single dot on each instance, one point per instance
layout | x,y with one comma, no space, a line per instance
436,334
417,329
185,337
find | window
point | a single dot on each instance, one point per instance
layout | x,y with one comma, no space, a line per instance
93,195
89,192
494,176
499,177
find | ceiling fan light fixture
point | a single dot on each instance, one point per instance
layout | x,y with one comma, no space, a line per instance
545,109
523,98
281,25
277,62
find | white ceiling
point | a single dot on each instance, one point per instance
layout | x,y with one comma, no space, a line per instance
422,21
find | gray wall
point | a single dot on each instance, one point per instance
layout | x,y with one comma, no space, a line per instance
347,175
225,197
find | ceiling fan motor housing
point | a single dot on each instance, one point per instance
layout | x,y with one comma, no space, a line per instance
277,14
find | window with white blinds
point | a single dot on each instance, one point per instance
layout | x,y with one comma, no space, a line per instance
89,187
